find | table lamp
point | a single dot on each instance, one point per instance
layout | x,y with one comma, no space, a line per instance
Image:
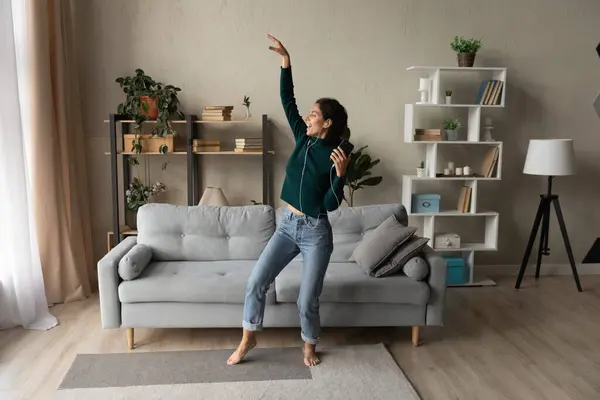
548,157
213,196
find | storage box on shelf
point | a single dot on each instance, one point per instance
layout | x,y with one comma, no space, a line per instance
489,92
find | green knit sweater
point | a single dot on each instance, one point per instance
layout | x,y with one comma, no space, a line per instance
320,190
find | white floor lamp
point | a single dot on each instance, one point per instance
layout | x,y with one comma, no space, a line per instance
548,157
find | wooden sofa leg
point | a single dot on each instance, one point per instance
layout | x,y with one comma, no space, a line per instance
130,338
415,336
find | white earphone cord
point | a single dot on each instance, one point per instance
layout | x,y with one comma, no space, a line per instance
308,146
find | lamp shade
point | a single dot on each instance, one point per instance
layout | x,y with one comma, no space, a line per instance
550,157
213,196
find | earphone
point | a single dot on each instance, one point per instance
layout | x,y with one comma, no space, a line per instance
308,146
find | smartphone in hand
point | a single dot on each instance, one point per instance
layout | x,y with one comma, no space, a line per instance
346,146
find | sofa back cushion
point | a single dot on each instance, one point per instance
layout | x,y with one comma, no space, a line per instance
351,224
205,233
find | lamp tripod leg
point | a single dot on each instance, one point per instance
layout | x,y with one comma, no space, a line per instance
543,248
563,230
534,230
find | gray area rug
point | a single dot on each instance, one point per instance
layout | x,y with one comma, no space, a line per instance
346,372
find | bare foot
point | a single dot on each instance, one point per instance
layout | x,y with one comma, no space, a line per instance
310,355
245,346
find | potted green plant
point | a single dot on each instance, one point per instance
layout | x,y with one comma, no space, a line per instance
448,96
146,100
139,193
451,127
421,169
247,105
466,50
358,173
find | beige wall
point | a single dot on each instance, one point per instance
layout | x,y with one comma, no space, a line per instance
357,51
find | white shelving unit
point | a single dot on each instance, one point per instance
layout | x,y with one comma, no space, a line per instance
431,149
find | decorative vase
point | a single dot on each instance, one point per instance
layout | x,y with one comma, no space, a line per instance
466,59
152,109
448,99
451,134
248,114
420,172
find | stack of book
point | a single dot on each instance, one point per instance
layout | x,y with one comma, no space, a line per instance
490,92
428,135
247,145
464,199
205,145
217,113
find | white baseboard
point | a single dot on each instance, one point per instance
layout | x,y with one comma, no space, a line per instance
546,269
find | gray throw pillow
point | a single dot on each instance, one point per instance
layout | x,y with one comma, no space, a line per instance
134,262
416,268
381,244
405,252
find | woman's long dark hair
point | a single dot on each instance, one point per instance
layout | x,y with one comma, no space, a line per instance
333,110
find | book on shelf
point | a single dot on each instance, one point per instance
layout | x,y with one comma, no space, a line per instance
248,145
490,162
217,113
211,149
464,199
490,92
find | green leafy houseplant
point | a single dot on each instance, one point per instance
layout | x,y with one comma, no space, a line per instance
465,49
452,124
358,173
451,127
147,99
139,193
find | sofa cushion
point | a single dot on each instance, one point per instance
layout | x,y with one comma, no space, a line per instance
405,252
205,233
191,282
376,248
347,283
134,262
416,268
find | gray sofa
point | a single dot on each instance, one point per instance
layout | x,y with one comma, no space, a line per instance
202,257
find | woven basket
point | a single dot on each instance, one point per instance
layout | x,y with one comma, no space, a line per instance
466,59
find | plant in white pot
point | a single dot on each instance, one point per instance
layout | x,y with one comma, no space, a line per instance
465,49
448,96
421,170
451,127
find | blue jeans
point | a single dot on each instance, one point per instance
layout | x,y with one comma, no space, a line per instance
295,234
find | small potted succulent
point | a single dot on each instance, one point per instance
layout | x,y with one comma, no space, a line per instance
421,170
466,49
451,127
448,96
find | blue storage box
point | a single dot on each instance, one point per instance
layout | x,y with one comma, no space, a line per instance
425,203
458,273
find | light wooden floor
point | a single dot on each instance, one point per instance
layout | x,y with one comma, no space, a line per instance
542,342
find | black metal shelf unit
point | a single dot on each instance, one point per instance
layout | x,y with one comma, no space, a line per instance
192,125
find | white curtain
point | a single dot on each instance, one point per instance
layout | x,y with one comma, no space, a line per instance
22,295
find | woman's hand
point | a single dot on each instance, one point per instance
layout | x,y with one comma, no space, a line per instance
281,50
340,161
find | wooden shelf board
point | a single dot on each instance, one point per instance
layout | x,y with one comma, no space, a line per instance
453,68
236,153
130,121
228,122
128,153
